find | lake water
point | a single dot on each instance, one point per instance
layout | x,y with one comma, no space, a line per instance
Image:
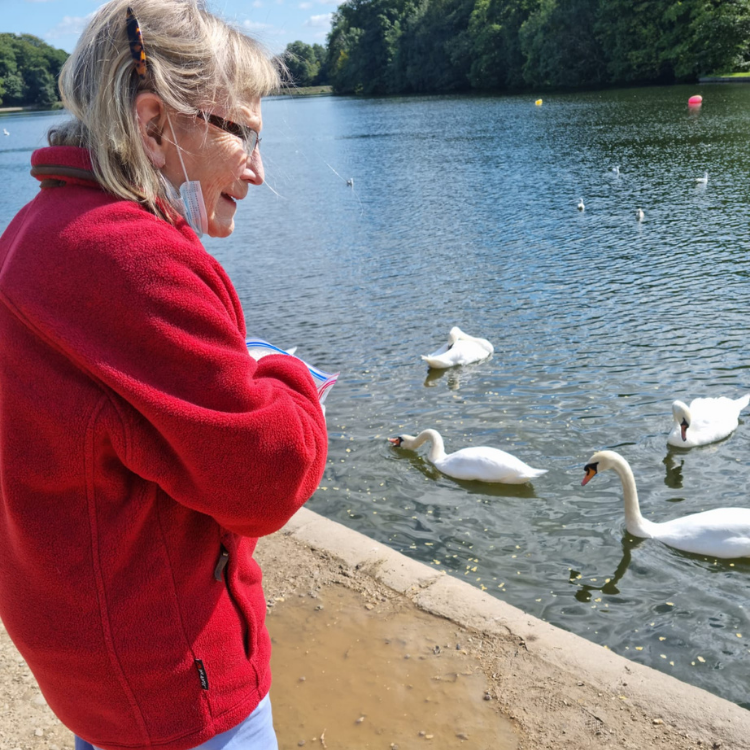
463,212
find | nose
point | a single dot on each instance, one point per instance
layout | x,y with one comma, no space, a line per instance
254,172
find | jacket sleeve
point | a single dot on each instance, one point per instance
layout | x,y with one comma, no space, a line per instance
147,313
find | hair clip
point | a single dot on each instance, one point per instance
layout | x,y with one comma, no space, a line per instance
135,38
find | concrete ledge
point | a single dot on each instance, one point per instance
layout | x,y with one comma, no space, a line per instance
699,713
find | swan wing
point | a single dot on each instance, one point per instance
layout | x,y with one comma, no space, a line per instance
487,465
714,418
463,352
723,532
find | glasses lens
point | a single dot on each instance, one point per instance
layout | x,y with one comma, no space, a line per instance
251,140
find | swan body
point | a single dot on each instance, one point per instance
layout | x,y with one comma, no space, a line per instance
581,206
461,349
5,132
616,170
639,214
723,532
479,464
702,180
705,421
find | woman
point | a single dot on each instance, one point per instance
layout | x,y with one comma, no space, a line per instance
142,451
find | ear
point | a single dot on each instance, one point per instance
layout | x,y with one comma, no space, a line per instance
151,113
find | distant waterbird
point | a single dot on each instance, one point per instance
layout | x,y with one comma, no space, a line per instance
639,214
702,180
616,170
350,182
5,132
581,205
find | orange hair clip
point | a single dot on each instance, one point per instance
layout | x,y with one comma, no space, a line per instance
135,38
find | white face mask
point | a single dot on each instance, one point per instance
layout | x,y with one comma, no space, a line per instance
191,204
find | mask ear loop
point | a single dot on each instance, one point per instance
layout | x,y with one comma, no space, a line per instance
179,149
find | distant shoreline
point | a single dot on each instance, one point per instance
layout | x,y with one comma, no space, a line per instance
32,108
304,91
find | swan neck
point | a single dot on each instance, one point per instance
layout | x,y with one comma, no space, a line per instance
635,523
437,449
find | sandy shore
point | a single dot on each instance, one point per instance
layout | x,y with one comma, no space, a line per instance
373,650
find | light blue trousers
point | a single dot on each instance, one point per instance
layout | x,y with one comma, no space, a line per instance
255,733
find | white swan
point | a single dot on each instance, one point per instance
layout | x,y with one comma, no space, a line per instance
481,464
461,349
581,206
723,532
639,214
5,132
705,421
616,170
702,180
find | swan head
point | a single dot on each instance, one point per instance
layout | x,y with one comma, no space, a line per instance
600,461
682,417
455,334
404,441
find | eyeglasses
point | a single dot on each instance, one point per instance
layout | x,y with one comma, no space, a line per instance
249,137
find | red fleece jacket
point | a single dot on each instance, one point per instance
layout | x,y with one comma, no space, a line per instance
142,451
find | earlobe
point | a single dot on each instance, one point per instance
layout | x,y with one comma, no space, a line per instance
150,114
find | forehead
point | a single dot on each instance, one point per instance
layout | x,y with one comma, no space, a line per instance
248,113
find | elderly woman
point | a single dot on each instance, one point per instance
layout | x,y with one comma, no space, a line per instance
142,451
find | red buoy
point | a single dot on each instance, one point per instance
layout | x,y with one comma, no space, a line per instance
695,101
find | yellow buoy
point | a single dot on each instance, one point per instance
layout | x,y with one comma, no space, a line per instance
538,102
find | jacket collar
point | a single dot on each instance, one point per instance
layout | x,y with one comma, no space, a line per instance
63,165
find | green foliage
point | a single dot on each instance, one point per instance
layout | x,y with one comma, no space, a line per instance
29,69
388,46
307,65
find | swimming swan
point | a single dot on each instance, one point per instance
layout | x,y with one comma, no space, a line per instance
723,532
461,349
639,214
481,464
705,421
702,180
581,206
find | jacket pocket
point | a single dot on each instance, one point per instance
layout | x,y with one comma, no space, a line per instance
224,571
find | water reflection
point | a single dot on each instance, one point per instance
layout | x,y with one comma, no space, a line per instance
452,376
673,478
609,587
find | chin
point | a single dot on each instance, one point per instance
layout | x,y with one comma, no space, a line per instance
220,229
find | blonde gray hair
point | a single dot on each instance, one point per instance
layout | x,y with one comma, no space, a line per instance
195,61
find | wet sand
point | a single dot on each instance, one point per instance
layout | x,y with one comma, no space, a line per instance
379,677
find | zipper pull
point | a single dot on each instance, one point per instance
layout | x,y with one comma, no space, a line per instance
223,560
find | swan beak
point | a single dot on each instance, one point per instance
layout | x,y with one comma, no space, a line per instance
683,429
396,441
590,470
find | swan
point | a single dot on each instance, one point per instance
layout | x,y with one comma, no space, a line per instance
639,214
461,349
481,464
5,132
350,182
702,180
722,532
705,421
616,170
581,206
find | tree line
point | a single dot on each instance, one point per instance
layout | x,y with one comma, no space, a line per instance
29,69
401,46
